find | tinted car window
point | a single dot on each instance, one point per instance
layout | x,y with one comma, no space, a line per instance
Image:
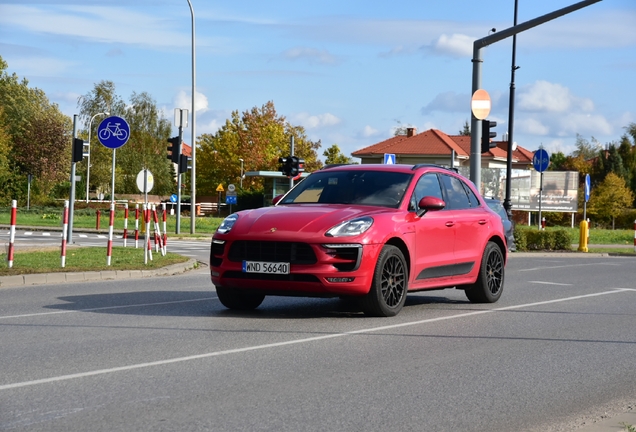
427,185
378,188
457,196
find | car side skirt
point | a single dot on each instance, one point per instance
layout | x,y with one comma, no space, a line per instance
451,270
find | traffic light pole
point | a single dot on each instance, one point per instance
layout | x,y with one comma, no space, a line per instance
178,228
291,144
475,124
71,201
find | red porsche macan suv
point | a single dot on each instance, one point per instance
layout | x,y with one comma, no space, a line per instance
366,232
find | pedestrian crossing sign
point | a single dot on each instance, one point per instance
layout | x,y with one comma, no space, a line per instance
389,158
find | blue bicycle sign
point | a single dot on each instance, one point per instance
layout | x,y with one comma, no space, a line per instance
113,132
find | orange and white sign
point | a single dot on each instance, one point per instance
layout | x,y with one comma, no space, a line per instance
480,104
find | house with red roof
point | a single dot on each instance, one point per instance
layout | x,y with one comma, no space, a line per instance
436,147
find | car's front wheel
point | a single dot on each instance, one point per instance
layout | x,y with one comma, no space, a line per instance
237,299
490,281
389,286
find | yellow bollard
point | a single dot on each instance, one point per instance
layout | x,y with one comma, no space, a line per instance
583,237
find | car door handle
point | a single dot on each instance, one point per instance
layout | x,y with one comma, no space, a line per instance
483,222
450,224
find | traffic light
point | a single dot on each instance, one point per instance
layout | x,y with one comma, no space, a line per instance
174,149
78,149
487,135
284,165
183,163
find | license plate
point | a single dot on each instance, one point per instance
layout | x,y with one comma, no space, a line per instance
265,267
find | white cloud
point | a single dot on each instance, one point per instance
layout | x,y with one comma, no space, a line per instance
183,100
531,126
97,23
543,96
448,102
40,66
456,45
315,121
369,132
311,55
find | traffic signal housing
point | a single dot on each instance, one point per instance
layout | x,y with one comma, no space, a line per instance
285,165
297,166
487,135
184,163
78,149
174,149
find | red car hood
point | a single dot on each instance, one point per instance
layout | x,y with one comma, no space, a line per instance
298,218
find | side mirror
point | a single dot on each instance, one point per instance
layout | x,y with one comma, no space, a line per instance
429,203
276,199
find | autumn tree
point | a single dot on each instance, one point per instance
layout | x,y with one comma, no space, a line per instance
610,198
258,136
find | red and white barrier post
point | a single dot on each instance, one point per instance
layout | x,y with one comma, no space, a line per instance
125,224
147,245
165,231
136,226
14,212
635,236
543,223
109,251
158,231
64,231
155,227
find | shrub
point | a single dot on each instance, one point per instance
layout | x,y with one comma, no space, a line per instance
533,239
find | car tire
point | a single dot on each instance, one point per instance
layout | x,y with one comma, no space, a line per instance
389,286
490,281
239,300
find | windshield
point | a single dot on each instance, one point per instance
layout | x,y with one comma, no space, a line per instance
375,188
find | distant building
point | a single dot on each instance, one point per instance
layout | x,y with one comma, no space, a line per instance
434,146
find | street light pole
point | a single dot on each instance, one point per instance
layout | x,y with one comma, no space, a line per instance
193,182
88,161
511,117
241,173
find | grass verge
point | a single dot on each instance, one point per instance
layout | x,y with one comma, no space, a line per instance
83,259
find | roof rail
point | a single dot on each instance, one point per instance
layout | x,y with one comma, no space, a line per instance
423,165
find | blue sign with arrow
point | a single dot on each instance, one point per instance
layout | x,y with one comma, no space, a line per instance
173,198
541,160
113,132
588,187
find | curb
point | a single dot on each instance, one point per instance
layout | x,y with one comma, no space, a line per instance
62,277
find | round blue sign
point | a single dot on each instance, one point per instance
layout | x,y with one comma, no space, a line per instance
113,132
173,198
588,187
541,160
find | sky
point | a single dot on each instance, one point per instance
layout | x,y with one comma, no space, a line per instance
350,72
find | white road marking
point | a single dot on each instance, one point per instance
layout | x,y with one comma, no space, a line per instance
570,265
549,283
291,342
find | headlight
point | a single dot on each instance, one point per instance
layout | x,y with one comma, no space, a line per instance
227,224
351,227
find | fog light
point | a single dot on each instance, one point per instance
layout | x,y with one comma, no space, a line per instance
340,279
214,273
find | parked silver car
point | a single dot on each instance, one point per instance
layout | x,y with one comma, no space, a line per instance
508,225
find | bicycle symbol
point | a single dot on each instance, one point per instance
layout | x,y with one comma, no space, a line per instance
113,130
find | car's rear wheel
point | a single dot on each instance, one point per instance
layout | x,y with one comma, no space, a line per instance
389,286
490,281
237,299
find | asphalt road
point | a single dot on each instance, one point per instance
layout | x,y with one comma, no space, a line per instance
162,354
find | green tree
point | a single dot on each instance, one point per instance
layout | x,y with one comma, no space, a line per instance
557,161
466,130
145,148
335,156
258,136
586,149
610,198
39,136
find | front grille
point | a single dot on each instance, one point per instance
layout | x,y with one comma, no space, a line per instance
291,252
272,277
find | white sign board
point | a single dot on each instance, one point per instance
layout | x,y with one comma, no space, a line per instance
150,181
